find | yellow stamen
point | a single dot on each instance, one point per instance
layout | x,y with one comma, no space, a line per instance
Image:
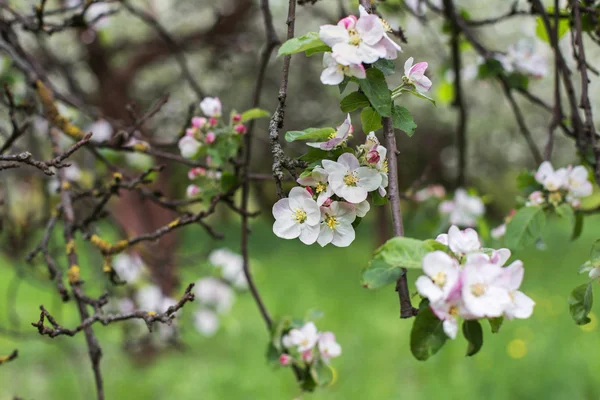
354,37
439,279
453,310
320,187
331,222
386,25
300,216
478,289
351,179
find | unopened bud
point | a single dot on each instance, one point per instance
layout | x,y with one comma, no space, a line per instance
285,359
241,129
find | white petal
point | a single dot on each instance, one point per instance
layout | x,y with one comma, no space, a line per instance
325,235
281,209
352,194
286,229
333,34
428,289
349,161
343,235
369,178
309,234
331,76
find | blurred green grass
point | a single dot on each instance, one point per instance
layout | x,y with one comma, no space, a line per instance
547,356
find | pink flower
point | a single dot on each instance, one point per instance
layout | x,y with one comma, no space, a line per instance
415,74
190,131
210,137
285,359
211,106
373,156
212,121
196,172
198,122
349,22
236,118
327,202
192,191
307,356
241,129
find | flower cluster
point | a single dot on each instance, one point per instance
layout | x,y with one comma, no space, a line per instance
216,295
306,345
470,282
335,193
562,185
464,209
523,58
355,42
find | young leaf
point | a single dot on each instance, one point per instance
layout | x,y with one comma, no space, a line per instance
490,69
385,66
526,182
406,252
378,200
379,273
375,88
403,120
496,323
313,155
309,42
254,113
427,335
309,134
518,81
595,253
525,227
578,228
370,120
354,101
540,28
474,334
580,303
566,211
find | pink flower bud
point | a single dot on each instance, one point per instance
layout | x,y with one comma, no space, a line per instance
212,121
309,190
210,137
192,190
285,359
196,172
349,22
190,131
307,356
373,157
236,118
512,212
198,122
327,202
241,129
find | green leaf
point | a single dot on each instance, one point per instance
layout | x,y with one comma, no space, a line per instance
379,273
540,28
354,101
370,120
566,211
309,134
385,66
254,113
427,335
474,334
309,43
518,81
595,253
526,182
420,95
580,303
407,252
228,181
313,155
378,200
496,323
375,88
578,228
525,227
491,68
403,120
342,86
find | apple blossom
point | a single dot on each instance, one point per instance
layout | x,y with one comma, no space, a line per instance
522,57
382,167
551,180
231,265
594,273
192,191
535,199
361,208
211,107
188,146
355,42
210,137
198,122
442,275
328,347
336,226
297,216
236,118
215,293
578,182
463,242
212,121
304,338
449,312
196,172
151,298
521,306
334,72
240,128
464,209
337,138
349,180
129,267
415,75
483,292
285,359
431,191
101,130
206,322
318,179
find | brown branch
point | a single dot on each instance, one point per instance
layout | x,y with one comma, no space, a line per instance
12,356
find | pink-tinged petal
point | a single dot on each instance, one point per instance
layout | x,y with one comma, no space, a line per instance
348,23
417,70
357,70
349,161
330,144
423,84
407,66
332,76
362,11
281,209
370,29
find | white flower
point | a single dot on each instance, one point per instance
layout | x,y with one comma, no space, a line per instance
211,107
334,72
101,130
297,216
318,180
232,266
594,273
213,292
337,138
578,182
305,338
391,47
192,191
551,180
483,293
498,231
442,274
361,208
336,226
535,199
415,75
206,322
349,180
463,242
188,146
151,298
72,173
382,167
129,267
464,209
328,347
521,306
448,312
355,42
522,57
